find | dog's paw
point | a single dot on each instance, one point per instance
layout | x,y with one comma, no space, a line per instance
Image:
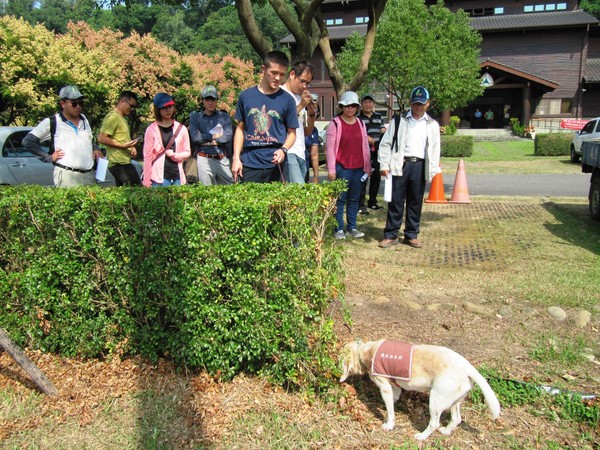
445,430
388,426
422,436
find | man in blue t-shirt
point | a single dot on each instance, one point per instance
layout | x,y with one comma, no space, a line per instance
266,125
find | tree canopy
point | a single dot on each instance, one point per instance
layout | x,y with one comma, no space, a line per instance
420,45
35,63
304,21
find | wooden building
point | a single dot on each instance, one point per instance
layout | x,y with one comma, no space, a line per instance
539,59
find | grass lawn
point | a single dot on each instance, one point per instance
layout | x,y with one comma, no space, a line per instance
512,157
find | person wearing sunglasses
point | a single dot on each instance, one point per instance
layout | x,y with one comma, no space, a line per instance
71,148
116,136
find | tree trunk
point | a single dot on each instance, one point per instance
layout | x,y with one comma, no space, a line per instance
28,366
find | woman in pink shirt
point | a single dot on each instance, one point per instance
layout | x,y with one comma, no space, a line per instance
348,158
165,167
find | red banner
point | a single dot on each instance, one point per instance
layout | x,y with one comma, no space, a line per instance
573,124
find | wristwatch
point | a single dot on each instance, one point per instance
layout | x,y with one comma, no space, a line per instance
285,149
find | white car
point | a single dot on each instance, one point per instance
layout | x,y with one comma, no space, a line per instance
19,166
589,132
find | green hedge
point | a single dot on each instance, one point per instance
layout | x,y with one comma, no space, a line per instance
456,146
228,279
552,144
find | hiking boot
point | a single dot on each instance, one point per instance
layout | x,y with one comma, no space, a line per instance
388,243
414,243
375,207
356,234
339,234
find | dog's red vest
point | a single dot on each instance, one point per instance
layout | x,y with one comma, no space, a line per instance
393,359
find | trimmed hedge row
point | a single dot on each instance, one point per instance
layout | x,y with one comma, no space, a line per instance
552,144
456,146
228,279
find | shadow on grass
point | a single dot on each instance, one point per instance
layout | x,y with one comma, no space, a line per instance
575,225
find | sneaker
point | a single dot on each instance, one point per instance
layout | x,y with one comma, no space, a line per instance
339,234
414,243
375,207
356,234
388,243
363,210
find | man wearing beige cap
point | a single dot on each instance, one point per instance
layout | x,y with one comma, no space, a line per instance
211,134
71,149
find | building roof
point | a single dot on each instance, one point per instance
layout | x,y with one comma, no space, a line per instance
558,19
592,71
519,73
338,33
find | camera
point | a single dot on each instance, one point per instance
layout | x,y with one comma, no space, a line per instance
315,97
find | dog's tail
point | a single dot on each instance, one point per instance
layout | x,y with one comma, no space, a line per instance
490,398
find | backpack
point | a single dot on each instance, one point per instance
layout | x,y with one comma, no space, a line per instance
396,127
52,133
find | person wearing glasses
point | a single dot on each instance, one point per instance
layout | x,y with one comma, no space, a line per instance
71,149
116,136
409,153
348,158
297,84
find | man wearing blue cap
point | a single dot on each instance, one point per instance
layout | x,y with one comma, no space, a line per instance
409,153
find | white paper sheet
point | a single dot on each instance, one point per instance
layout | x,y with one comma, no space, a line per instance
101,169
217,129
387,190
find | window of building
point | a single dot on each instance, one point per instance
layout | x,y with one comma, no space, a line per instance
553,106
361,20
499,10
545,7
476,12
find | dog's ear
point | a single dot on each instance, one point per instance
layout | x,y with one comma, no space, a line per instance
347,359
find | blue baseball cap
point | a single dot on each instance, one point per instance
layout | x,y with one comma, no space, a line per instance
419,95
162,100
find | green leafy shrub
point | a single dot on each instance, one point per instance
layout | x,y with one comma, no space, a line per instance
228,278
456,146
516,127
552,144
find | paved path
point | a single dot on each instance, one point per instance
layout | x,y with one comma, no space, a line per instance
565,185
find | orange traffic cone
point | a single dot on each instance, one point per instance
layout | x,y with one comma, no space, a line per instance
460,193
436,192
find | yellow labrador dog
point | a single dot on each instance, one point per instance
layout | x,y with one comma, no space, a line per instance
394,365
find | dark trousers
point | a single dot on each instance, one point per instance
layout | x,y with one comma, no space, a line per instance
125,175
374,183
409,189
270,175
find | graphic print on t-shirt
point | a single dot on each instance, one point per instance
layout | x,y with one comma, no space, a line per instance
262,120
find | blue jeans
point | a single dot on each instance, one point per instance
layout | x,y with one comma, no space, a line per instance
167,183
348,198
294,169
